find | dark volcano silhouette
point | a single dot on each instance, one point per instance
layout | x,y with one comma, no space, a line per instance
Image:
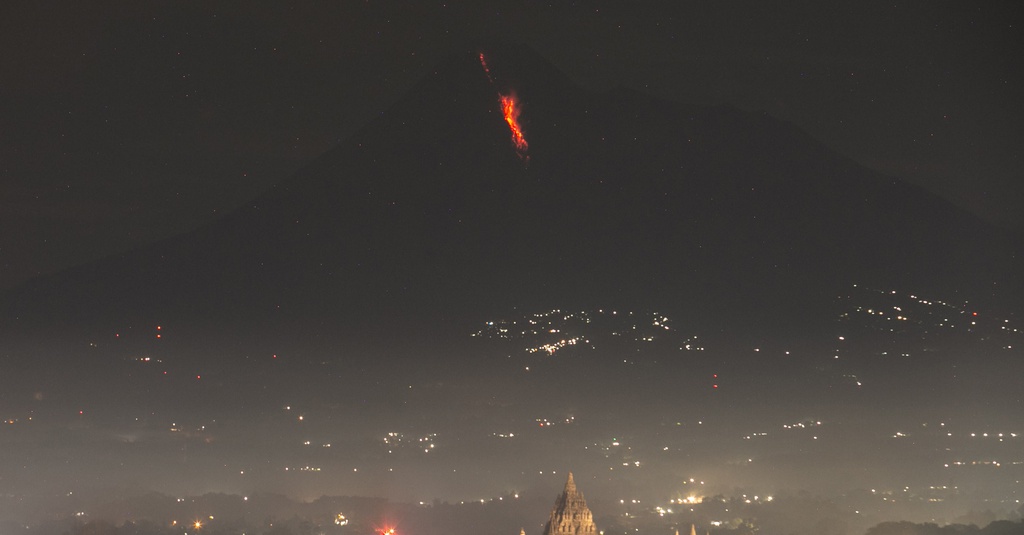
733,220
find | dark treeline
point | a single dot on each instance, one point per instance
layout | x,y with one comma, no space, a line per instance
298,526
155,513
998,527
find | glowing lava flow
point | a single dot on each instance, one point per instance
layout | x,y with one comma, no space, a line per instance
487,70
510,110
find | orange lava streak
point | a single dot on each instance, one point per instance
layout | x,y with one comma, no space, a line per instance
510,109
487,71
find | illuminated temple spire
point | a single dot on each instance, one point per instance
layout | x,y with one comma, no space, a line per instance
570,516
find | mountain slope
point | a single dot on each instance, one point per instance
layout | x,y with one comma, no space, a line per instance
428,212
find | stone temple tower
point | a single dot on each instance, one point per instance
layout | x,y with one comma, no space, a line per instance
570,516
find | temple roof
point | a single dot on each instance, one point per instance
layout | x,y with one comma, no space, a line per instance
570,515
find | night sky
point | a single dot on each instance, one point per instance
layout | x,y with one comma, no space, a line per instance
126,123
747,262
